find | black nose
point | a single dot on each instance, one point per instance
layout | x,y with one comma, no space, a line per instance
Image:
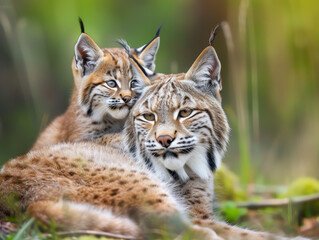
165,140
126,98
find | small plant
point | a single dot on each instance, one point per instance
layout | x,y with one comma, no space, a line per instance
22,233
300,187
227,185
231,212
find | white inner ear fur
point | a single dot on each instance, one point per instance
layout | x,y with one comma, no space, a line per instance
206,67
86,49
148,55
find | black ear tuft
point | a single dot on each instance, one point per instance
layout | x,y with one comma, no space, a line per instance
81,25
158,32
147,53
213,35
141,49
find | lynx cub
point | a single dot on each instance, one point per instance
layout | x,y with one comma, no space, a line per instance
104,92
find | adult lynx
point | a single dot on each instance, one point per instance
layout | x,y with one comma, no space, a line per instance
179,130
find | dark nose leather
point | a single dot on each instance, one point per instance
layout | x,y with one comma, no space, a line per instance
126,98
165,140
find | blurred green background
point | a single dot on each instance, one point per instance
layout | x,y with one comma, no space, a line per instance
270,66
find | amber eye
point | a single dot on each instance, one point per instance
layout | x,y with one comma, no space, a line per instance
185,113
111,83
134,84
149,116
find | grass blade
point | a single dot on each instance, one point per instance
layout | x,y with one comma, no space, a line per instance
23,229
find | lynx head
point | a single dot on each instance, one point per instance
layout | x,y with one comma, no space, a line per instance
103,78
178,123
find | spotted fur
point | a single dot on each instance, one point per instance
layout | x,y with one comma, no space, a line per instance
104,92
179,130
85,186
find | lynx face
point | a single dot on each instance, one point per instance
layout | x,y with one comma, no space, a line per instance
178,124
103,78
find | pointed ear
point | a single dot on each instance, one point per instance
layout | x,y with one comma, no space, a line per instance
205,72
138,74
87,54
147,53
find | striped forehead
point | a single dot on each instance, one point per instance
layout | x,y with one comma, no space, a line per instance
167,94
121,63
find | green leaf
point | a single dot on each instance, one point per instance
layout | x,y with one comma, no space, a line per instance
231,212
